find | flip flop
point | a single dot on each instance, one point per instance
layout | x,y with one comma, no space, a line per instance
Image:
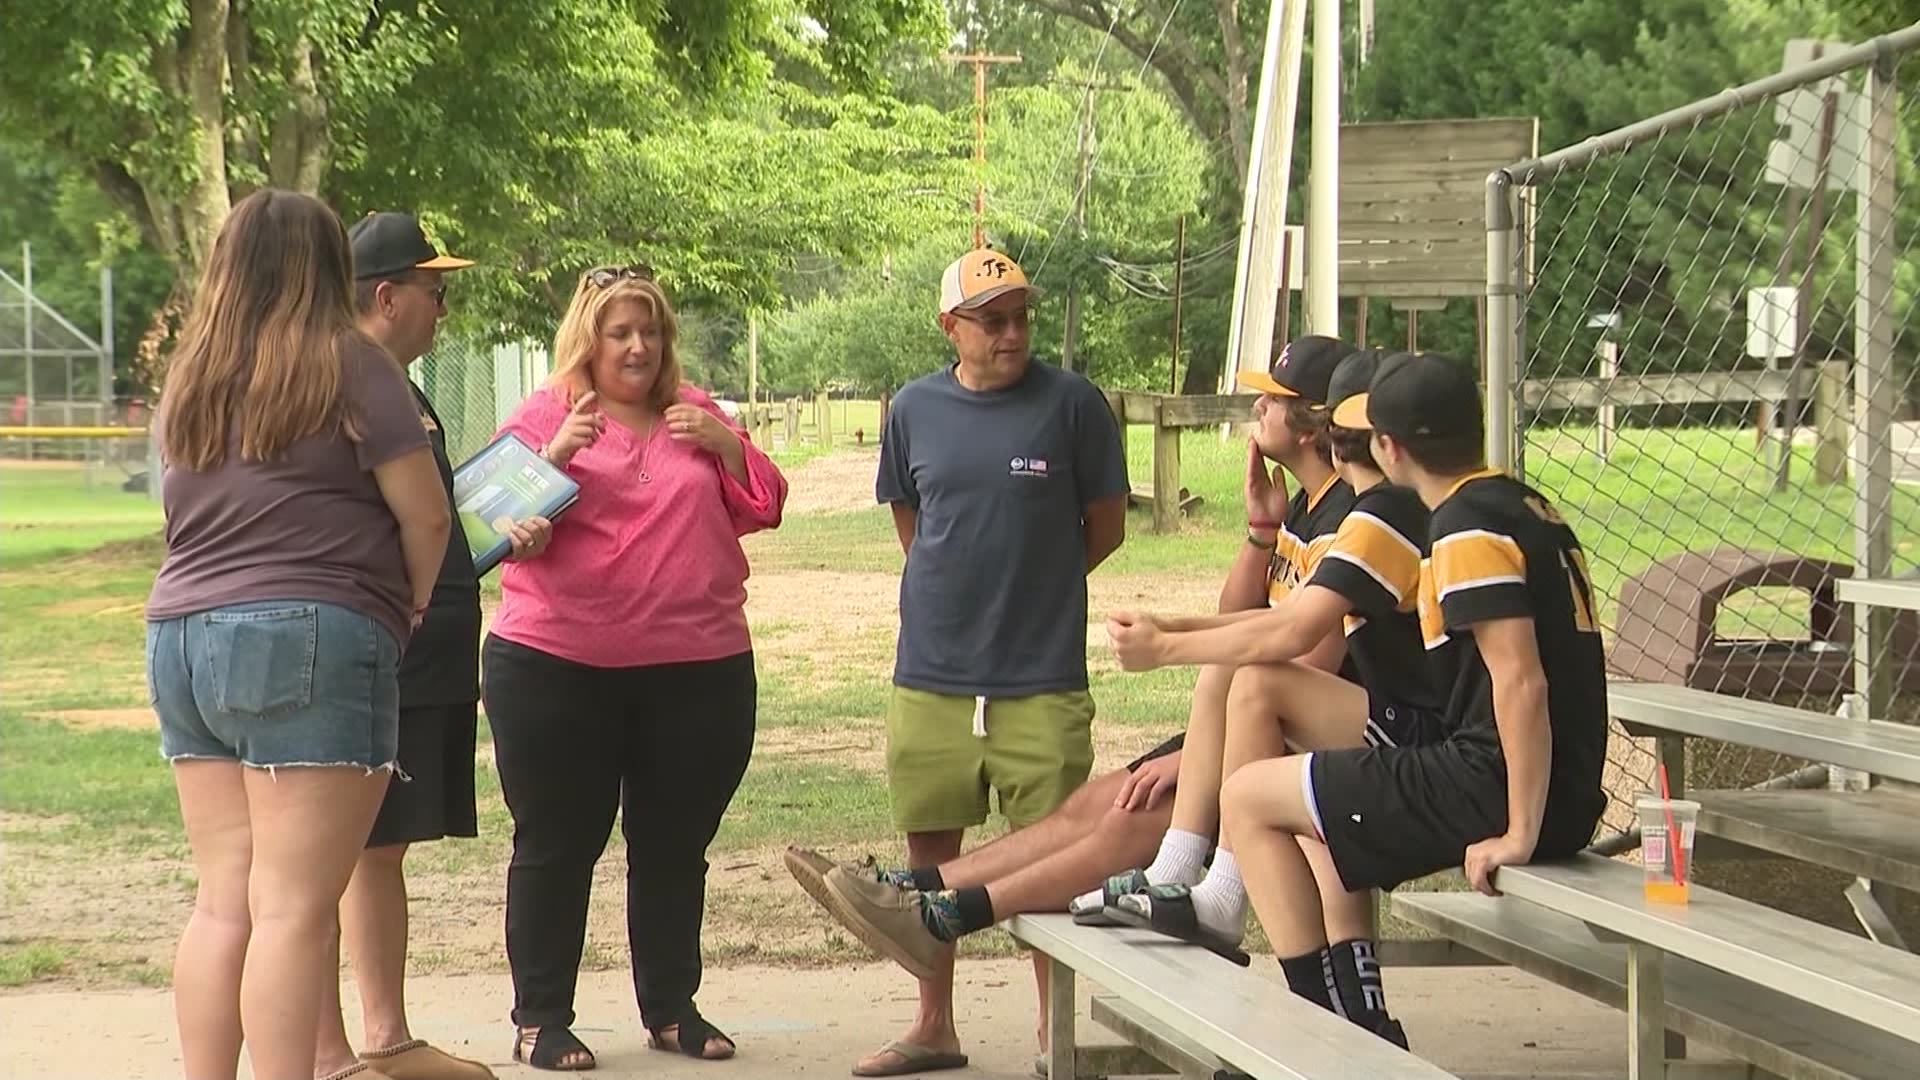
1117,886
1168,909
914,1059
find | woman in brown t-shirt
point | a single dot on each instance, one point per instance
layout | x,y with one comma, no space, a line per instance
305,527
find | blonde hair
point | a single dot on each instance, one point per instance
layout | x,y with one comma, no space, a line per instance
262,343
578,339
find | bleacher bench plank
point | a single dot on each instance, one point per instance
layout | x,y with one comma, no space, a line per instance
1870,834
1875,746
1773,1031
1874,984
1899,593
1254,1022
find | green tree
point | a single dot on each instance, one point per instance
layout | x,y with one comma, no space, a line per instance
176,108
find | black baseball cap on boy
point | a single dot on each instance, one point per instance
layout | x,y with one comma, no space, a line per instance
1419,396
1353,376
388,244
1301,370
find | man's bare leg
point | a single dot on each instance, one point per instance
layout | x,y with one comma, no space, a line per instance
1073,822
933,1022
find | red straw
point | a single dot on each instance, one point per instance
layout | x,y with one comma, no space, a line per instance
1674,845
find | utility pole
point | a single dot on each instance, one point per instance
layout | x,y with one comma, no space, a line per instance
1263,216
1179,268
1087,140
1322,287
979,62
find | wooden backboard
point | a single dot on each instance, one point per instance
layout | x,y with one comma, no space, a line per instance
1413,203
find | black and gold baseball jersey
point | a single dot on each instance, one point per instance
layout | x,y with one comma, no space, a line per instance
1500,550
1305,535
1374,561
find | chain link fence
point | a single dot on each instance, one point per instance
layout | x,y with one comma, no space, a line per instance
1700,346
475,386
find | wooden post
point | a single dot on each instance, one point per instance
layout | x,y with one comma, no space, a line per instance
792,411
1166,473
1413,330
1830,424
1360,321
823,426
1609,367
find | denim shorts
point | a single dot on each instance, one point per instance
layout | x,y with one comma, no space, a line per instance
276,683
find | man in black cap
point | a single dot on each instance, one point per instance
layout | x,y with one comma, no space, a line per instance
1505,612
400,289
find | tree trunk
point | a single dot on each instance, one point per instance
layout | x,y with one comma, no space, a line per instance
204,74
301,147
1228,14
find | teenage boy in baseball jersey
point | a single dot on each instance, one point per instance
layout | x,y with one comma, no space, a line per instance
1364,584
1504,604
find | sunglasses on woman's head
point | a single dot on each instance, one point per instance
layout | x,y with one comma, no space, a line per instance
604,276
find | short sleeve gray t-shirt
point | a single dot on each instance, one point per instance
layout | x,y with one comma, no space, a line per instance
994,598
311,525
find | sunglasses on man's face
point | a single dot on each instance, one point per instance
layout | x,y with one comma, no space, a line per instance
604,276
438,291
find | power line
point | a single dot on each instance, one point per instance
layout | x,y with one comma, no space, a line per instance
1138,76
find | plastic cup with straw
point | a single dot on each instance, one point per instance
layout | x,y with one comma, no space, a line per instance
1666,843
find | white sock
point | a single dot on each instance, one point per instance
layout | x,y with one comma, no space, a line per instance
1221,900
1181,859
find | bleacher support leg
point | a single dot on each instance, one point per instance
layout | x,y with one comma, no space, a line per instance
1646,1014
1061,1044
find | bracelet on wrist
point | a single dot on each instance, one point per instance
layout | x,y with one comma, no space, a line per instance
1264,545
1256,523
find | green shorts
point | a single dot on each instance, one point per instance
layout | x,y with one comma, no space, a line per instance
1036,751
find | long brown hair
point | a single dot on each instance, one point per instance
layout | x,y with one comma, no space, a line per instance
261,345
578,338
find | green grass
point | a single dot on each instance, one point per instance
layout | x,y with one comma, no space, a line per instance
21,964
100,784
49,510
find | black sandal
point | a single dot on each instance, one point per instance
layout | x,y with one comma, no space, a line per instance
701,1033
551,1045
1168,909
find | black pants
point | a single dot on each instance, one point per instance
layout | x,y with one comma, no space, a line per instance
667,746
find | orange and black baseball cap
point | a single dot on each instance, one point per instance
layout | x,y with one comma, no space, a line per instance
388,244
1303,369
981,275
1417,396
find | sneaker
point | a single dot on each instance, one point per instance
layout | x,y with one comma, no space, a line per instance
810,869
890,921
1389,1029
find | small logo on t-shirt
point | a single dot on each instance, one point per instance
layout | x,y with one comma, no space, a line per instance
1027,466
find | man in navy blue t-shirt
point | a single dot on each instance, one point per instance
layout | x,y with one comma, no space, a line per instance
1008,485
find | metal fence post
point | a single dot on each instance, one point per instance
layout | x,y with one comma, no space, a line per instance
1501,315
1873,329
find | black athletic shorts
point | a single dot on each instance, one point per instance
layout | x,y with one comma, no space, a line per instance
1392,724
435,798
1390,814
1160,751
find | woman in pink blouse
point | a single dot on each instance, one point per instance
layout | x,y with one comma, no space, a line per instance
619,672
